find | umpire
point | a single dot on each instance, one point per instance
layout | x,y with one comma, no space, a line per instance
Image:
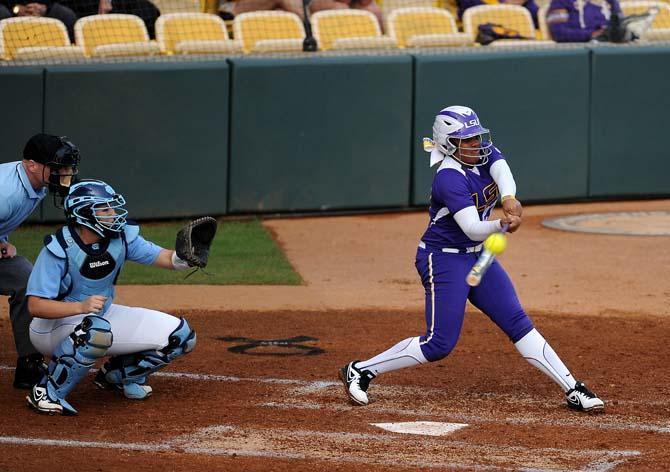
49,163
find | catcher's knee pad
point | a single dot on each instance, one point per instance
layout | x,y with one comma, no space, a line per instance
73,358
181,341
134,368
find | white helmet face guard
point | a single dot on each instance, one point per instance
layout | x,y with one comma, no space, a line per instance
483,151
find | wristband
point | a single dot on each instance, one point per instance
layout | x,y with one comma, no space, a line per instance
177,263
507,197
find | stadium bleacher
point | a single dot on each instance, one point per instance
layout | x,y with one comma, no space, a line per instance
193,28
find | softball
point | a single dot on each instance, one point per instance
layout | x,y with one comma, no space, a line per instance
496,243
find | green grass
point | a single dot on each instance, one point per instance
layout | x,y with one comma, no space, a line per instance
243,253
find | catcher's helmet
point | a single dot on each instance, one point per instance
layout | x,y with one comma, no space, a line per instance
89,195
60,154
456,123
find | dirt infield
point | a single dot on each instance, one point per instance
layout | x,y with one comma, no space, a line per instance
602,301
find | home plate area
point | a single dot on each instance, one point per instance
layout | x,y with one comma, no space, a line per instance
388,450
392,449
483,408
309,422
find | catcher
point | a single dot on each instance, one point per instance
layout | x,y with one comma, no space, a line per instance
71,292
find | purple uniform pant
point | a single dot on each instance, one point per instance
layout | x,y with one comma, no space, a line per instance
443,277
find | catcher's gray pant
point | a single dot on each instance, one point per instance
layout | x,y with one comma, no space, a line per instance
14,273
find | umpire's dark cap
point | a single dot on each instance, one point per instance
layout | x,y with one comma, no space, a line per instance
42,148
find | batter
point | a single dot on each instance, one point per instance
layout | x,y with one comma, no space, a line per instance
471,176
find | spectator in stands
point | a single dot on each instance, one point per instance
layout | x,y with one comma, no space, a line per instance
228,9
368,5
530,5
47,8
142,8
578,21
4,11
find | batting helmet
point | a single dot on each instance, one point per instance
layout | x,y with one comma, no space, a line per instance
456,123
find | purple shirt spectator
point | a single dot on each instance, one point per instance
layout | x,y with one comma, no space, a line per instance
576,21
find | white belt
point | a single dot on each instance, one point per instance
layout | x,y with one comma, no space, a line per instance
455,250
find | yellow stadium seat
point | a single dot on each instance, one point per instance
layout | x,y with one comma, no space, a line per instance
194,33
269,31
659,29
178,6
510,16
348,29
114,35
34,38
425,27
389,5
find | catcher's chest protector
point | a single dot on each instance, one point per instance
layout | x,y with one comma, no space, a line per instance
88,272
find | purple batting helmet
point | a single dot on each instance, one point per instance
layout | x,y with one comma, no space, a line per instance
456,123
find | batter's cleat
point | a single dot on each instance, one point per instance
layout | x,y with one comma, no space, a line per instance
356,383
29,371
38,398
582,399
134,391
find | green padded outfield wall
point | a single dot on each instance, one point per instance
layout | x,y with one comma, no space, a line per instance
536,105
629,130
320,133
20,112
158,133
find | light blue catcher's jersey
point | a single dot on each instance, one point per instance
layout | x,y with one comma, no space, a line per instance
69,270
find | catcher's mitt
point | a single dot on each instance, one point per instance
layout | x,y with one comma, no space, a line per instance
193,241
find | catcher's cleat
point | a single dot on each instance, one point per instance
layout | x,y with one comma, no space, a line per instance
582,399
29,371
101,382
38,398
131,390
356,383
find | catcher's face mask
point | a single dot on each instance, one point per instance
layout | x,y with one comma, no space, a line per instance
111,214
94,204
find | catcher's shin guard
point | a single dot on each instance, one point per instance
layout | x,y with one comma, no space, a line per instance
129,372
72,360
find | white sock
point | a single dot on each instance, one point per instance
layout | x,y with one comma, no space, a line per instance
536,350
406,353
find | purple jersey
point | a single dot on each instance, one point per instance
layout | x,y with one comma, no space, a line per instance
568,22
456,186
